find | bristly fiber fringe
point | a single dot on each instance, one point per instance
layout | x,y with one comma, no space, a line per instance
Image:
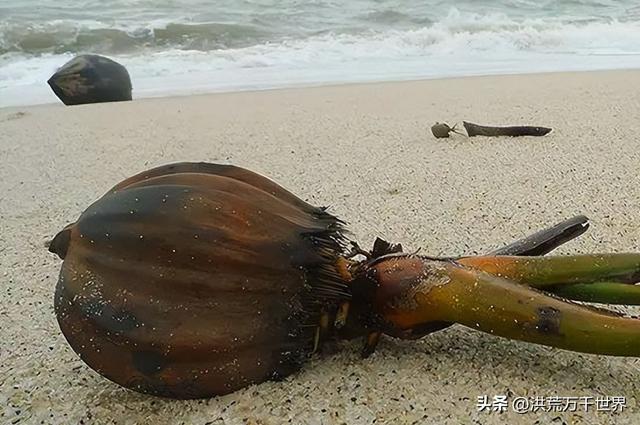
327,289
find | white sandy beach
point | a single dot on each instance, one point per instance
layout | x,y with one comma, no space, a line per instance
367,152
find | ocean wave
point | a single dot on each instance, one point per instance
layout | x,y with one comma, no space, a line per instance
455,38
74,37
179,58
453,30
387,17
455,34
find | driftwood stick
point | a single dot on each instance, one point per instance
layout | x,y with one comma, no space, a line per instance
483,130
546,240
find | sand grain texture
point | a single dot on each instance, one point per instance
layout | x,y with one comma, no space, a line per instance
367,152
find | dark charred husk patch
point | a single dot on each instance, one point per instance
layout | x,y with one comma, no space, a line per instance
195,280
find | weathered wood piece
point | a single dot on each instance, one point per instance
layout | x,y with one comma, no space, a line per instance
513,131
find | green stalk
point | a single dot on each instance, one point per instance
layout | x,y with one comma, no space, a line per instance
448,292
541,272
599,292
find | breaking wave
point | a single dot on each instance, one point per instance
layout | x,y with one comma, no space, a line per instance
169,57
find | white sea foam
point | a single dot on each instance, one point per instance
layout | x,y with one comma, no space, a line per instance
459,43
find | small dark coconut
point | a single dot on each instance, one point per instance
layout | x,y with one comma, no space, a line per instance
91,79
193,280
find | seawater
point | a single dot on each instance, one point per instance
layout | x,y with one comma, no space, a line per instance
197,46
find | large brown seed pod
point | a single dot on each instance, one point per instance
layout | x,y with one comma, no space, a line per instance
193,280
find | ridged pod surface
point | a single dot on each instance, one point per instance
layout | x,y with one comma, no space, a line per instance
194,279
